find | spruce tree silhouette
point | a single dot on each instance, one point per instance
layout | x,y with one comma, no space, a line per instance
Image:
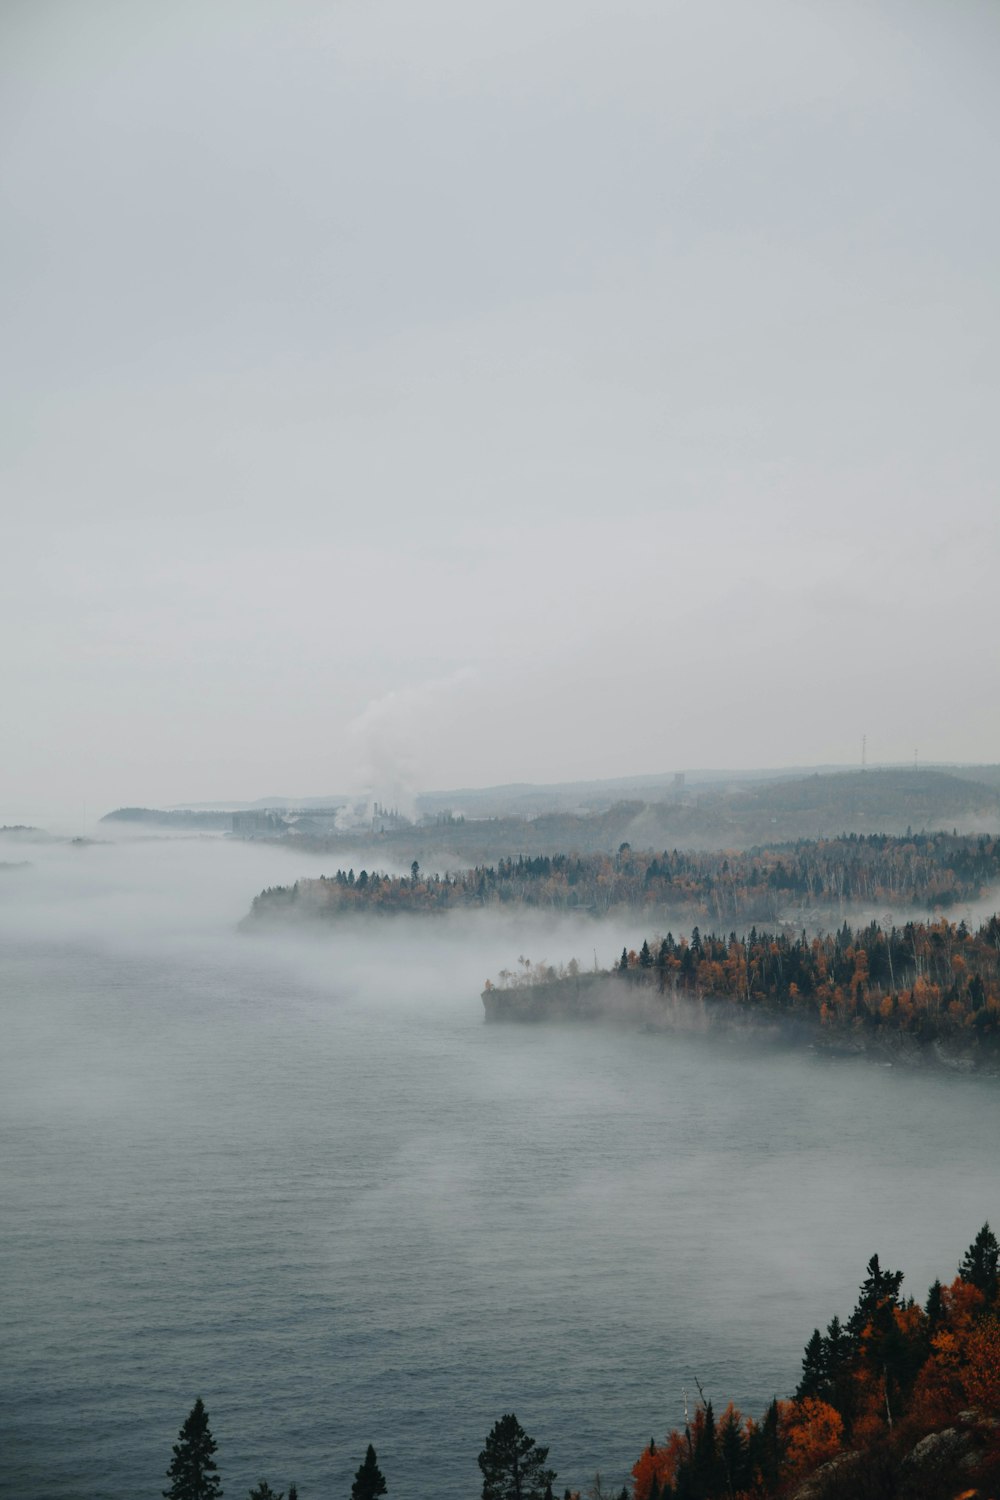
193,1472
513,1464
369,1481
981,1263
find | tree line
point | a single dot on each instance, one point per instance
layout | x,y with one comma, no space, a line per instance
935,870
513,1466
873,1389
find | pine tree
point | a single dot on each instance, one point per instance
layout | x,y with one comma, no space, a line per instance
879,1293
980,1263
733,1452
705,1468
263,1491
838,1352
934,1309
369,1481
813,1379
767,1449
193,1472
513,1464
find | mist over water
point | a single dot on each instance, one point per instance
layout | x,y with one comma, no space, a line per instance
298,1176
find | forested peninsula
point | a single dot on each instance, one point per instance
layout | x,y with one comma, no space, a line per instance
926,870
922,991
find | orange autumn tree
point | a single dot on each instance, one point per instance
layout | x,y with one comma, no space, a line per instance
654,1471
980,1375
815,1433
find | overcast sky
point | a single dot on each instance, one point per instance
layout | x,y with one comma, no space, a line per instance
483,390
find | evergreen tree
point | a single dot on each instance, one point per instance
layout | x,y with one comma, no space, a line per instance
980,1263
263,1491
841,1387
705,1468
733,1453
512,1463
193,1472
369,1481
813,1380
879,1293
934,1308
837,1345
766,1449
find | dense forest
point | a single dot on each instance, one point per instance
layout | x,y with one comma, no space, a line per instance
897,1402
924,980
932,871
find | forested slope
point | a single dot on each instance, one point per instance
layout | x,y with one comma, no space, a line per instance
900,1401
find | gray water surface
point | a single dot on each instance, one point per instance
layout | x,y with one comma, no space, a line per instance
301,1179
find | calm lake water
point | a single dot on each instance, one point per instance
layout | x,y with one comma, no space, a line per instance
303,1180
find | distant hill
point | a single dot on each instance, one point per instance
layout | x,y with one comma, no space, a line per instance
707,817
877,798
713,810
987,775
531,799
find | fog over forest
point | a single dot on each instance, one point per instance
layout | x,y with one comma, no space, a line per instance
301,1177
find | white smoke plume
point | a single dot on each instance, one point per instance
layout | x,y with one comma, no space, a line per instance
393,739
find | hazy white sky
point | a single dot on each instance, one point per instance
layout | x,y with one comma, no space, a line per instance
485,391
